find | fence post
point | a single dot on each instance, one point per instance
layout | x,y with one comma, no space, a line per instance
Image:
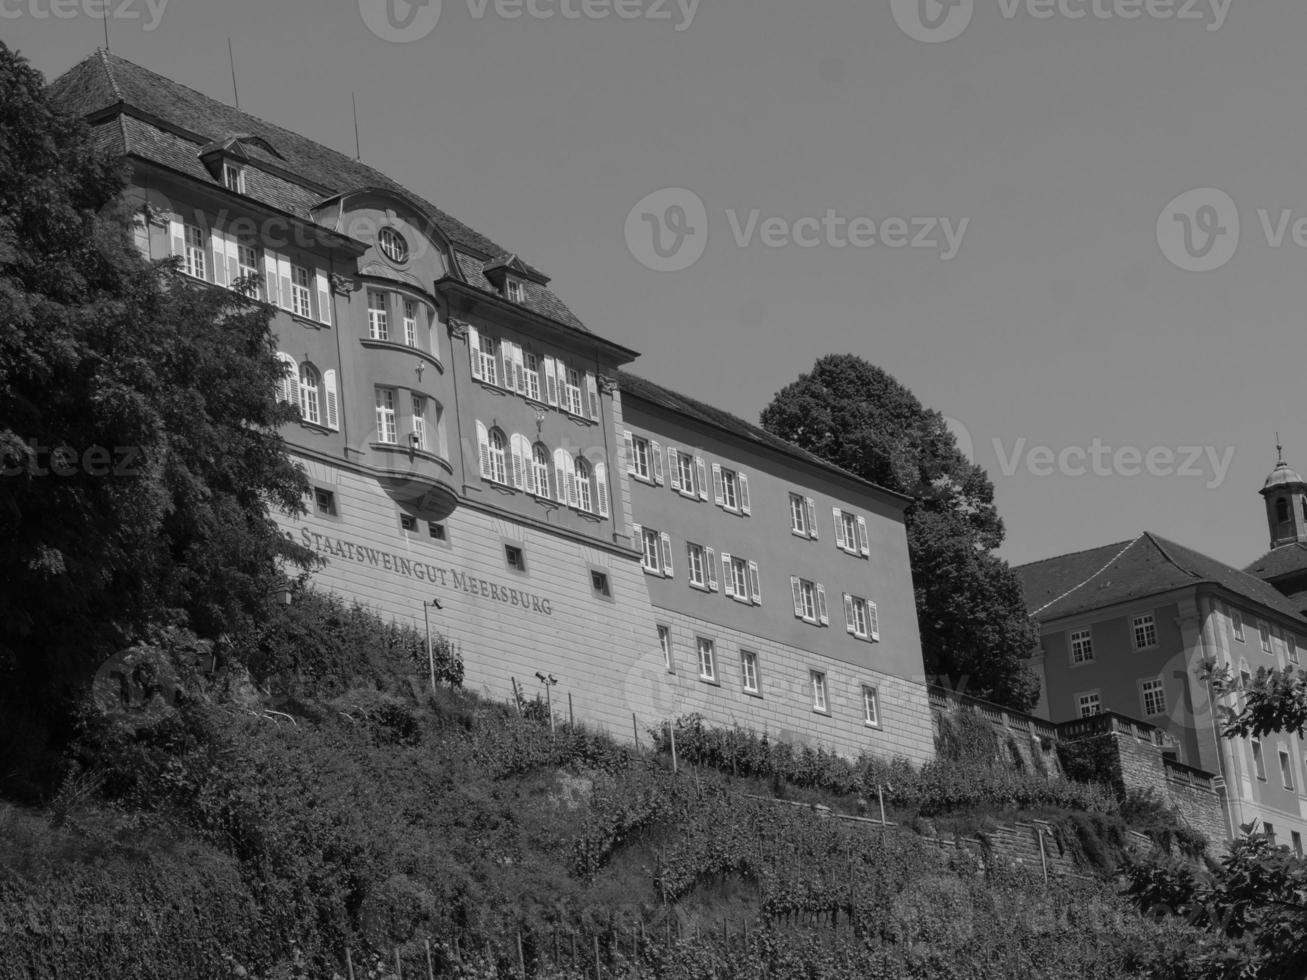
431,970
399,967
521,959
597,973
671,728
349,964
570,722
517,698
635,730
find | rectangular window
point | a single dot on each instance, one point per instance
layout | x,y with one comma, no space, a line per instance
247,268
861,617
798,516
665,643
809,601
513,290
651,543
1236,624
408,523
300,302
698,565
707,660
532,372
489,362
378,321
818,690
851,534
1089,704
1286,769
749,671
572,391
640,463
740,578
386,431
193,260
1144,628
325,501
1154,697
419,422
1264,631
730,490
410,323
599,582
685,473
1270,832
1296,838
1082,646
234,178
515,557
870,706
1291,647
436,531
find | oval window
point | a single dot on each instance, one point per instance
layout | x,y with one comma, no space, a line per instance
392,245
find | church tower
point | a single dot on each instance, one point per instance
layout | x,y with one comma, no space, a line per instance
1285,494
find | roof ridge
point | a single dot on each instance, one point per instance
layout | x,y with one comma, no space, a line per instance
1072,554
108,71
1074,588
1157,543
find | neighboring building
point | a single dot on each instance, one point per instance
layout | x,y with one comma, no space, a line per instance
1125,629
470,441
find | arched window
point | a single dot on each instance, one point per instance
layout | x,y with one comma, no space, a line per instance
539,470
498,456
310,394
1281,509
583,489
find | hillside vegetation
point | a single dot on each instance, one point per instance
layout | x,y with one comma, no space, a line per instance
265,825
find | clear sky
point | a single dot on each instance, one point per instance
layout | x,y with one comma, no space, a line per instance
1059,140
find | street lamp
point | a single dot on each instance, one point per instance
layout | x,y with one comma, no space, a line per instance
431,657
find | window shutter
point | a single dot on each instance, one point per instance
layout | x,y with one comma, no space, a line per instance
592,389
283,277
822,614
519,476
233,256
629,441
217,245
755,587
270,274
177,234
797,587
728,574
744,495
288,383
551,381
474,349
864,545
710,563
667,554
702,472
717,484
573,498
562,470
519,369
873,620
673,469
333,401
637,538
839,529
656,451
849,624
324,297
601,487
483,444
812,517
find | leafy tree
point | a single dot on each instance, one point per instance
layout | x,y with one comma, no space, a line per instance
975,631
139,451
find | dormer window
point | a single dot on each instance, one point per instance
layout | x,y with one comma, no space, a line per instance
392,245
513,291
233,177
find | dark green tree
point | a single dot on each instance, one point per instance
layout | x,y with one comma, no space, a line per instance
139,448
975,630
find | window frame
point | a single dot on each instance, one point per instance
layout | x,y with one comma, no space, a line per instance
230,171
195,256
1147,624
301,292
515,557
1086,635
871,700
749,669
599,584
378,316
386,421
1156,687
1082,697
1259,758
329,509
497,443
1237,626
820,691
665,644
1286,766
708,664
696,559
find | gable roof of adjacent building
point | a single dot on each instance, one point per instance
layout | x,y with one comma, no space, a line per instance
732,425
1148,565
137,112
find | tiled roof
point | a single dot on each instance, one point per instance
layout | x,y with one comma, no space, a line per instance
1148,565
104,80
1279,562
632,385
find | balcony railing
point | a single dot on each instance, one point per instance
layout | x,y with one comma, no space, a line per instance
1109,722
947,700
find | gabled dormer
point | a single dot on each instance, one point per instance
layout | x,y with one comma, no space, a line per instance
509,276
227,159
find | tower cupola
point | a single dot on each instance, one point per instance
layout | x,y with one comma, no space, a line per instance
1285,493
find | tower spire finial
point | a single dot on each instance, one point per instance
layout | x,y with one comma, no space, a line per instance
1279,451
